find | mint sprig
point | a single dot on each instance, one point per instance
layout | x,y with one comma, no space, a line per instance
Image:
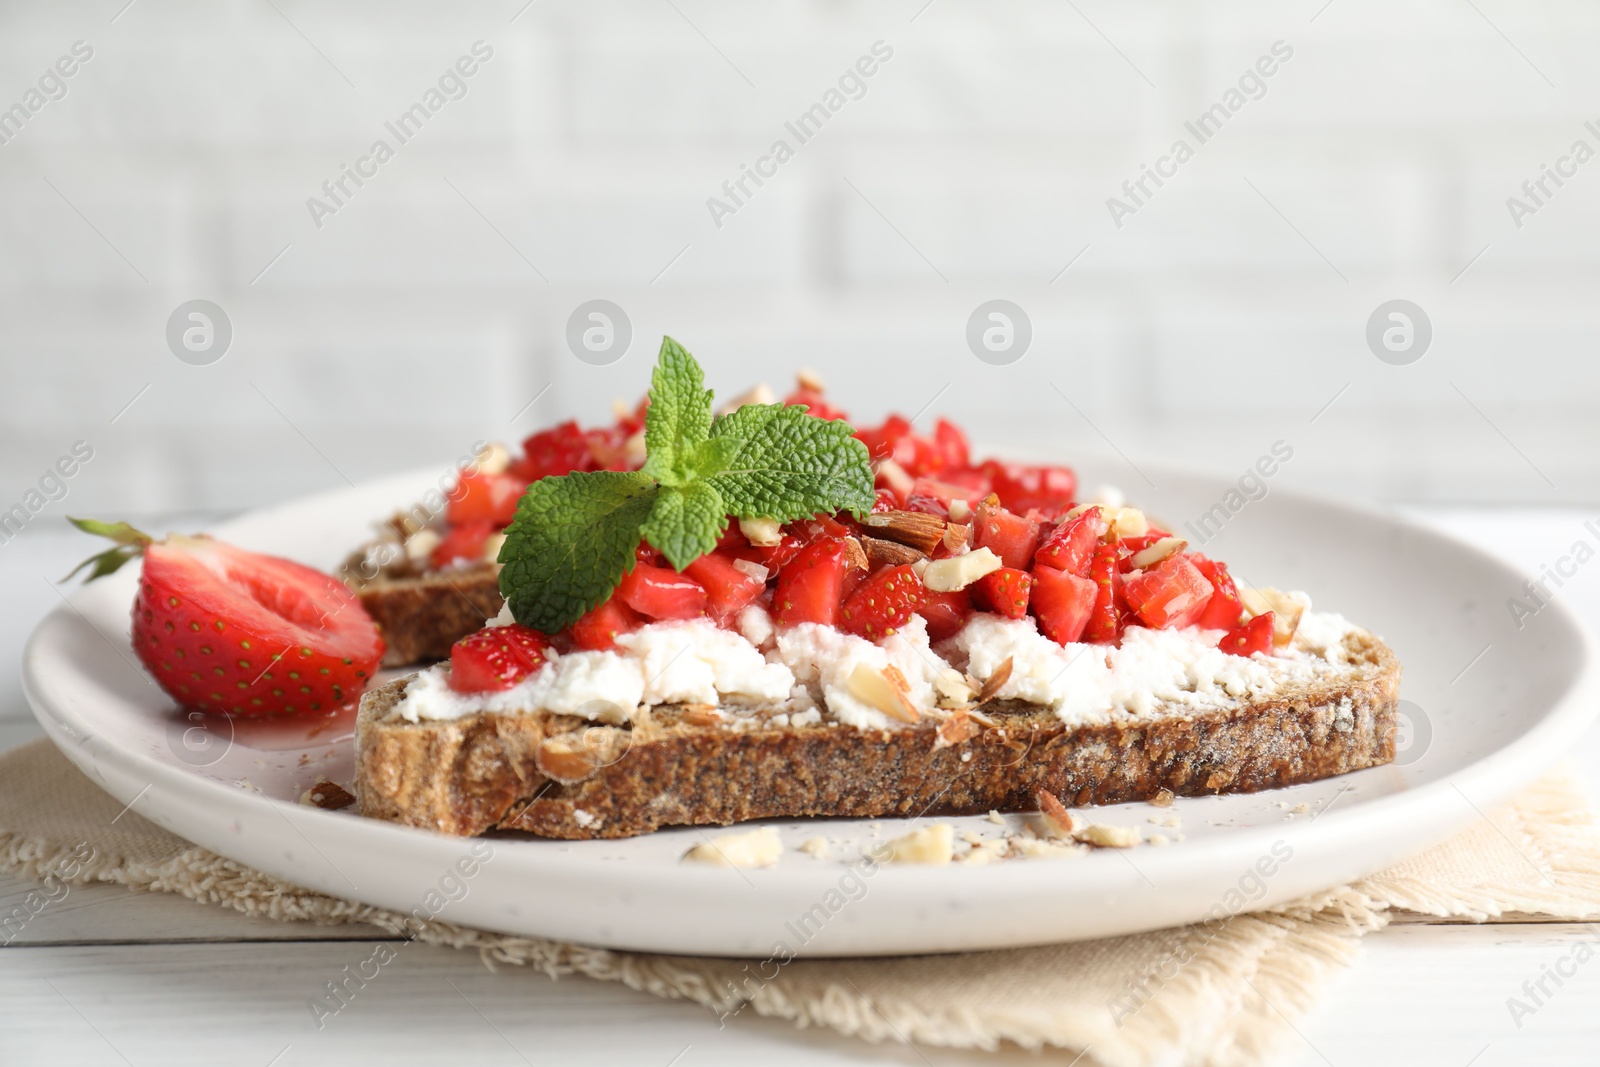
575,535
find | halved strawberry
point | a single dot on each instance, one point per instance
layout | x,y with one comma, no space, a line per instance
1011,537
496,657
234,632
946,613
1173,593
884,603
480,497
811,585
1004,592
1253,636
662,593
1063,602
1071,545
597,631
461,542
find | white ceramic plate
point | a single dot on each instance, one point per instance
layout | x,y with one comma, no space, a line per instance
1491,706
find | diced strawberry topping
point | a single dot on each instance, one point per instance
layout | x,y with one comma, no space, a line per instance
884,602
1021,486
1225,607
945,613
1105,621
727,587
496,657
1009,536
1063,602
559,450
811,585
598,630
945,492
1071,545
952,442
480,497
1004,592
662,593
466,541
1254,636
1170,594
886,500
815,404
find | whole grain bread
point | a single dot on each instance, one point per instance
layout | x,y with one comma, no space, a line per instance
422,615
565,777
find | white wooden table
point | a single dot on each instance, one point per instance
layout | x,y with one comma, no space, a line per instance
109,976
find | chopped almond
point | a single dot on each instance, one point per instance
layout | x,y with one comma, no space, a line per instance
996,681
951,689
757,848
1124,522
762,532
920,530
960,510
956,536
329,796
756,394
1286,610
881,553
932,845
885,690
807,378
1055,814
855,557
1158,552
1103,835
957,728
493,459
957,572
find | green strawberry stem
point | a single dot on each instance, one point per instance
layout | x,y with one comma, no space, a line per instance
129,545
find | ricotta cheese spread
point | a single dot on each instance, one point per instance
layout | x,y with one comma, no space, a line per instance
803,671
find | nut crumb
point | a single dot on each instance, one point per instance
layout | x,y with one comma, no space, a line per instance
1163,799
932,845
757,848
1158,840
994,817
1104,835
329,796
1300,809
816,847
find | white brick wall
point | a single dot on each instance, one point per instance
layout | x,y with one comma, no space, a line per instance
976,165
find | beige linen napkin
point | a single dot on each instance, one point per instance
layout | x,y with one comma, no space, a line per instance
1218,994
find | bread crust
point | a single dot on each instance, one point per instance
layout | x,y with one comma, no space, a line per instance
421,616
483,773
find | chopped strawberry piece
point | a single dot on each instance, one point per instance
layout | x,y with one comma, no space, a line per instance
884,603
1071,545
461,542
930,505
598,630
1225,607
886,500
1170,594
1009,536
976,482
1063,602
496,657
881,441
648,553
1105,621
479,497
918,455
824,526
811,585
773,557
662,593
1254,636
608,449
234,632
1004,592
559,450
1021,486
727,587
815,404
952,442
945,492
946,613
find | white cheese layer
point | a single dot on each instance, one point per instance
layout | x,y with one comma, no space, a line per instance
806,669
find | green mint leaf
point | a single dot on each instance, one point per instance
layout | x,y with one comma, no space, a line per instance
713,455
573,539
790,465
686,522
679,416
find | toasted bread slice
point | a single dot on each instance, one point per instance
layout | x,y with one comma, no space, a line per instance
422,615
565,777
